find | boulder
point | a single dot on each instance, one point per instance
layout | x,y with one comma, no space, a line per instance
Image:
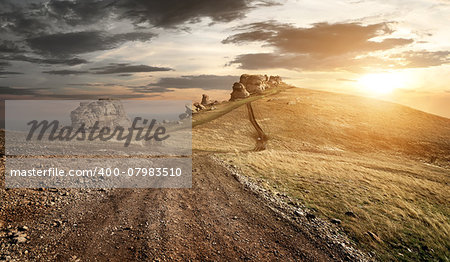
274,81
109,113
205,100
239,92
254,83
199,106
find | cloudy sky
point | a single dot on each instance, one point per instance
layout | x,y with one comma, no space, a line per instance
84,49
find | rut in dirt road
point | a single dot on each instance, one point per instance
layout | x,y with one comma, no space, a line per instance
261,139
217,219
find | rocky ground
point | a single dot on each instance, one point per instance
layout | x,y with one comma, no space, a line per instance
220,218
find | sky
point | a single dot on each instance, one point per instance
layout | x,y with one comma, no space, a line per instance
134,49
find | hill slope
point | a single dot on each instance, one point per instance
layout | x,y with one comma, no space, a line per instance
301,119
379,169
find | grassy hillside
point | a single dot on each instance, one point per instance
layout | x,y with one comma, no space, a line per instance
382,169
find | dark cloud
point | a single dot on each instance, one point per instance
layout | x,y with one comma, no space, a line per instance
94,97
51,31
127,68
21,21
268,61
9,73
305,62
160,13
68,44
172,13
329,47
168,84
113,68
7,46
322,39
207,82
4,64
6,90
36,93
65,72
146,89
83,12
28,18
49,61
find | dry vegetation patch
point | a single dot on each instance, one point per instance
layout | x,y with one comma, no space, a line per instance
401,211
380,169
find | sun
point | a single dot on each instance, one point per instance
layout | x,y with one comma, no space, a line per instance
382,83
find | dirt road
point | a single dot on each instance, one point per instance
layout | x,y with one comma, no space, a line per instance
218,219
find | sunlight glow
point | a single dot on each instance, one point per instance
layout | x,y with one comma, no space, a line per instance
382,83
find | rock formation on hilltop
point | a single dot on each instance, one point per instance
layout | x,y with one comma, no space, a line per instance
239,91
274,81
109,113
253,84
247,85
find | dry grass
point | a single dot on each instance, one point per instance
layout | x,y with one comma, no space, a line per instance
386,163
404,203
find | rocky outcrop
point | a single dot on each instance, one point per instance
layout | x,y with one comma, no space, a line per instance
205,100
206,103
254,84
199,106
239,91
109,113
274,81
